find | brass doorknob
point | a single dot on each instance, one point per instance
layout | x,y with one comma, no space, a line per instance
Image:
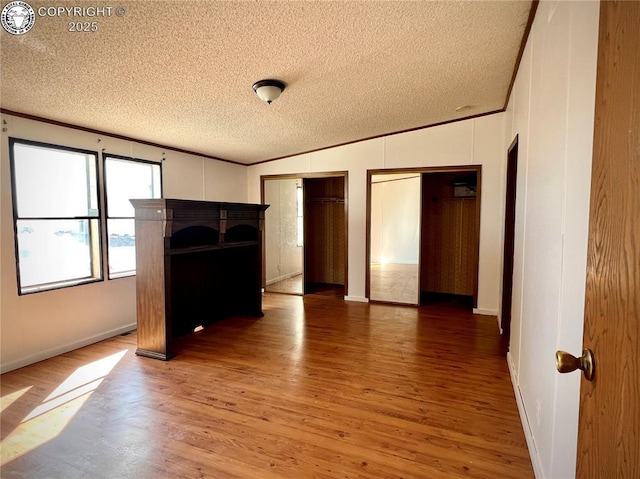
565,363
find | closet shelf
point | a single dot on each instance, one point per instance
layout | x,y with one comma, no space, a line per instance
324,200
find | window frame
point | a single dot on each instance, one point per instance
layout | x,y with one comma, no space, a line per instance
96,254
107,217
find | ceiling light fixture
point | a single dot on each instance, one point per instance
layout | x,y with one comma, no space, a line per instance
268,90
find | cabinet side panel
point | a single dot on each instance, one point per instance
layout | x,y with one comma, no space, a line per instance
150,288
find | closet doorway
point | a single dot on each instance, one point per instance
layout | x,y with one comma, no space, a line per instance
450,238
394,225
423,235
283,230
305,233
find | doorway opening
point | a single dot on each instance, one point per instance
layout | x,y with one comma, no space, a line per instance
324,236
394,237
423,236
449,247
305,234
283,235
509,239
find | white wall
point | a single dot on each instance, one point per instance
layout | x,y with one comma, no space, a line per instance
552,109
41,325
395,219
478,141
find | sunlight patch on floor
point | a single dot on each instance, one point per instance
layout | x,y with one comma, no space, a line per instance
50,418
88,373
10,398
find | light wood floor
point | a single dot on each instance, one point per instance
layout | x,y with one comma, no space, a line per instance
317,388
292,285
396,283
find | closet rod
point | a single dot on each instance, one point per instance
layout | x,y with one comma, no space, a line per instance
324,200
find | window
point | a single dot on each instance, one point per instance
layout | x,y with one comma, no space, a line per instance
56,215
126,179
300,215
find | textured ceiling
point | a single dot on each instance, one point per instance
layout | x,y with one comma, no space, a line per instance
180,73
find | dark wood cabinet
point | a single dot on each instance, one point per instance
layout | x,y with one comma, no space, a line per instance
196,262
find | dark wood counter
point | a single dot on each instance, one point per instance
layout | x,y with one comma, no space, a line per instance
196,262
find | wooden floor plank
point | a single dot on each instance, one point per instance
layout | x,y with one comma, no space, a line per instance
318,388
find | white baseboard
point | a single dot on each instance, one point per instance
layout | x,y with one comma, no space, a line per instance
359,299
485,312
283,277
49,353
528,434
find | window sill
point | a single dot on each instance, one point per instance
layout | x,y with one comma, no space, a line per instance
41,288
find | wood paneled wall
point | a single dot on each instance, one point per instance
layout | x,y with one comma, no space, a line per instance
449,250
324,213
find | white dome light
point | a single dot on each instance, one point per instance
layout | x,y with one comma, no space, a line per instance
268,90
